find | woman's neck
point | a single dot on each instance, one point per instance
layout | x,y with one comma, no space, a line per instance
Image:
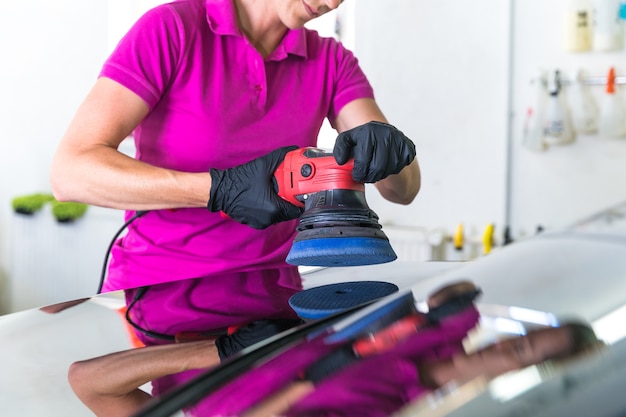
259,22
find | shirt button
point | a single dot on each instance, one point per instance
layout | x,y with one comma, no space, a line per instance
258,88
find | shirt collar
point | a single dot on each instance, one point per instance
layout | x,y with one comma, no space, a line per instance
294,43
222,19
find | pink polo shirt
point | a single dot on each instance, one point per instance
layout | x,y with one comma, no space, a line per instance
215,102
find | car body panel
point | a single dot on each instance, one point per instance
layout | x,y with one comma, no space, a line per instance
578,272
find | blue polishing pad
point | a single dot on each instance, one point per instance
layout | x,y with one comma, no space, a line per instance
341,251
318,302
369,321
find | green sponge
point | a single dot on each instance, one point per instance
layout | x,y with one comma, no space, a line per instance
30,204
67,212
64,212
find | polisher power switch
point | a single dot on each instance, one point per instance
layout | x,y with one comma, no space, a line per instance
309,170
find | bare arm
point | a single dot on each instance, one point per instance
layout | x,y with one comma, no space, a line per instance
109,385
279,402
88,168
400,188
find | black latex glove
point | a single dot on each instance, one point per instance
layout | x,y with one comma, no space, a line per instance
454,304
330,364
378,149
247,193
250,334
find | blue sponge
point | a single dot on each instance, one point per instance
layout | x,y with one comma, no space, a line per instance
366,321
318,302
341,251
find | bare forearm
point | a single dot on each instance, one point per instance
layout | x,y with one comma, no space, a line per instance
110,385
121,372
281,401
403,187
104,177
87,166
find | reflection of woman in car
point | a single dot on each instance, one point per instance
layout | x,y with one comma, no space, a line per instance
306,380
109,385
382,384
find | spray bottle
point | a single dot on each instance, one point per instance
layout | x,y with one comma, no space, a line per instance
532,137
613,116
608,28
585,111
557,127
622,16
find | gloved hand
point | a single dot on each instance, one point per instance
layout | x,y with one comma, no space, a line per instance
330,364
453,304
250,334
378,149
450,291
247,193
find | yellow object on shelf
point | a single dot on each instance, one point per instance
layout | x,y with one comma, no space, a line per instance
457,240
488,238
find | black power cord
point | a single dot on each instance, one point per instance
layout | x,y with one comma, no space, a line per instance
103,273
155,335
140,292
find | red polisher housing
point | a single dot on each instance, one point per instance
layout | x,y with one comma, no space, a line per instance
309,170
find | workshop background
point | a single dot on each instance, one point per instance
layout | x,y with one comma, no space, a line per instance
469,82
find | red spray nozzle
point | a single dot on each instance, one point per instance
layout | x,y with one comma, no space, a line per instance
610,82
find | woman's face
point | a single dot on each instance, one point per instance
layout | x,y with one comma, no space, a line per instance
295,13
519,352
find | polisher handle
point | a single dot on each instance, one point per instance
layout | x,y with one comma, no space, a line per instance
309,170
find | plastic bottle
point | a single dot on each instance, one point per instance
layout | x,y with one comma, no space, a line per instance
622,16
613,115
557,126
532,137
608,27
583,107
578,24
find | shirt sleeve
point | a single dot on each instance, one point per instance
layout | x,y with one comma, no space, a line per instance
351,83
145,59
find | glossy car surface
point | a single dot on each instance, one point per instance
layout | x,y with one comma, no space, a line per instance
575,273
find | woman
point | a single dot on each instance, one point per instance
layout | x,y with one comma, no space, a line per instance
215,93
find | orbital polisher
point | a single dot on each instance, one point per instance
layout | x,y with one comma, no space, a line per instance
336,228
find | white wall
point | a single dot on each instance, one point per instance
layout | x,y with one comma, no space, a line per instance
51,55
440,73
559,186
